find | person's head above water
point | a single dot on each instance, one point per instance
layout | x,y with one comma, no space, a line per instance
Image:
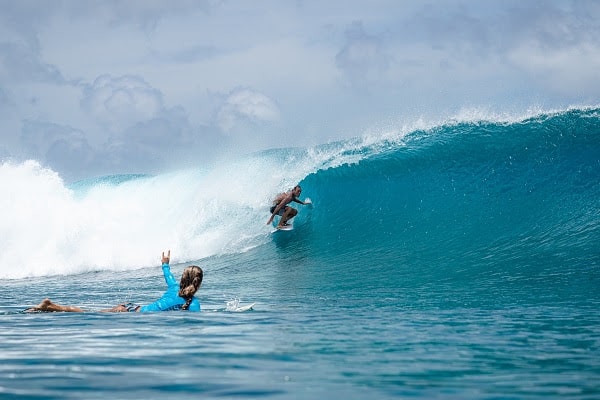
297,190
191,279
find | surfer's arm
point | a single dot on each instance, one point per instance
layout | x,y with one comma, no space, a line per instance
275,211
279,207
169,278
297,200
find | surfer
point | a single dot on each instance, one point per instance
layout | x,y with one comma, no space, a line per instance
280,206
179,296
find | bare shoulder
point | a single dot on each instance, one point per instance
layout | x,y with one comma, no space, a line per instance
285,196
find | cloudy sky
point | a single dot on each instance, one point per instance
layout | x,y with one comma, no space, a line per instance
95,87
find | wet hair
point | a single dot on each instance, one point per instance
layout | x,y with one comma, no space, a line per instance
191,278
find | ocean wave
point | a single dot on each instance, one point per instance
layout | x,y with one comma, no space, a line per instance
450,191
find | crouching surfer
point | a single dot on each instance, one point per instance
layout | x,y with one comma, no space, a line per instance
280,206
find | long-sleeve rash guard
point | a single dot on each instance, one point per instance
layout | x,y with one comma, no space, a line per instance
170,299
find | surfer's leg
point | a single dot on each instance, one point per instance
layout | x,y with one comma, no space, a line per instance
129,307
48,306
284,217
290,212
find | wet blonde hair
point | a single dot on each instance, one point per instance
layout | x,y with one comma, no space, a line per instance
191,278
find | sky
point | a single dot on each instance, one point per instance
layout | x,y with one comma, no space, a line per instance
98,87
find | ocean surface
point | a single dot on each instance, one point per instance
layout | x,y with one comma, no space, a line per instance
445,260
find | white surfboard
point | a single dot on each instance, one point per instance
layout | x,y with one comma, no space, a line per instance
244,308
234,306
288,227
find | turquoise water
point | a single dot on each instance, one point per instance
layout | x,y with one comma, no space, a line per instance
459,261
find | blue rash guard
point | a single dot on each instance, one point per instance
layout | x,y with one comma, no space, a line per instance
170,300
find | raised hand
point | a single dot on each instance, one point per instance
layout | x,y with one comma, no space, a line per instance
166,259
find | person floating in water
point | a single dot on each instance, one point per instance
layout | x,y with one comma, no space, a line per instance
280,206
179,296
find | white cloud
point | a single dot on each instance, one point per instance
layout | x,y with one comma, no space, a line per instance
64,148
362,58
245,105
20,63
119,102
556,69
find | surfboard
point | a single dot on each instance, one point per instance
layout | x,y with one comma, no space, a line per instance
234,306
288,227
244,308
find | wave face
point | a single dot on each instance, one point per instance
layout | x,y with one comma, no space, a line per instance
486,200
495,206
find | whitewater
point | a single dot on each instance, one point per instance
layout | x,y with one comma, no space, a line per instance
454,259
117,222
